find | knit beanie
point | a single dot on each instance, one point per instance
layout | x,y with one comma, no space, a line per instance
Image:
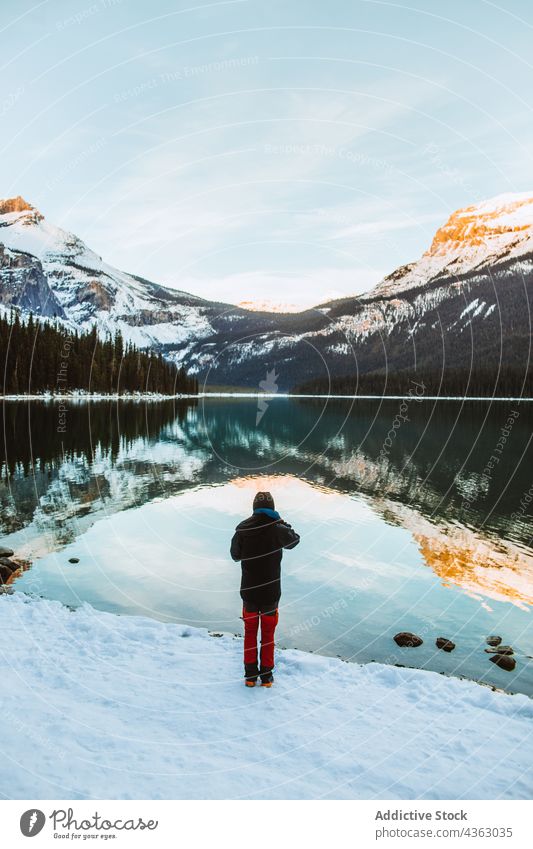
263,499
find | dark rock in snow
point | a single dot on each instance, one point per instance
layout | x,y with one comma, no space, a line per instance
501,650
5,573
74,560
503,661
444,644
6,552
494,641
406,638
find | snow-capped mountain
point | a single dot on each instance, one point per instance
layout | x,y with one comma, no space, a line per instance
474,238
464,304
51,272
85,289
465,301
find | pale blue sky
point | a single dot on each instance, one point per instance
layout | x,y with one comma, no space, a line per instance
281,151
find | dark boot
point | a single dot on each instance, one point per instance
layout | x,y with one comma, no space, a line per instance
267,679
251,673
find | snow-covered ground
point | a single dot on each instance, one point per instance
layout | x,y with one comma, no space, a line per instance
102,706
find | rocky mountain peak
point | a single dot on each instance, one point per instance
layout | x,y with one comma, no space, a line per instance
8,206
488,223
479,236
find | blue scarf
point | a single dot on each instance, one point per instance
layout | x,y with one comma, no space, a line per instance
272,514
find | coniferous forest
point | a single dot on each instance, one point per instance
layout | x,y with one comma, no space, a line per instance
47,357
481,381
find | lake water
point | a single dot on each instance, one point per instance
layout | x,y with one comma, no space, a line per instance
406,521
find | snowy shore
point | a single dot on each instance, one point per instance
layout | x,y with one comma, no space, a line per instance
95,396
96,705
156,396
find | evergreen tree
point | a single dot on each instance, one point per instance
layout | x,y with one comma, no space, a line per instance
39,356
481,381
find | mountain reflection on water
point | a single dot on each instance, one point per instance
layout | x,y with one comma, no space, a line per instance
473,529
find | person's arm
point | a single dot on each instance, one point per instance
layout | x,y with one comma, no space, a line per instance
288,538
235,549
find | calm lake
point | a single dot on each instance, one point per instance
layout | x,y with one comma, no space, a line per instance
413,516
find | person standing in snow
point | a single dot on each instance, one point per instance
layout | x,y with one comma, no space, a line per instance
258,543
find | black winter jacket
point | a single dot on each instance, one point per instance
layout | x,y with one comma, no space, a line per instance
258,543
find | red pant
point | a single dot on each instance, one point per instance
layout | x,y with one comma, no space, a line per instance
251,626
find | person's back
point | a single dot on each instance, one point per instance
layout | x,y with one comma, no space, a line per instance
258,543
